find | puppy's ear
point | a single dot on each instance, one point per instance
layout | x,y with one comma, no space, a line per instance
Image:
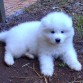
45,21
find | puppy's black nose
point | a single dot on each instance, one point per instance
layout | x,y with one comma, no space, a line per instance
57,40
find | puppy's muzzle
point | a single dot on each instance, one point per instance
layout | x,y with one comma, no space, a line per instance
57,40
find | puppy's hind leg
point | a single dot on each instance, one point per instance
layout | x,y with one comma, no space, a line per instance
29,55
8,58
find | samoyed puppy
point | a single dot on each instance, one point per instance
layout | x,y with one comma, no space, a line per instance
47,39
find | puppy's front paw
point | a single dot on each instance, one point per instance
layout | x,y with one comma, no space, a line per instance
76,66
46,65
47,71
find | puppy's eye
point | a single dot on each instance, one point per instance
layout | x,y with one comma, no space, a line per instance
52,32
62,31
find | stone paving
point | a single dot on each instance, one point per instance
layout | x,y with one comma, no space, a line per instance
11,6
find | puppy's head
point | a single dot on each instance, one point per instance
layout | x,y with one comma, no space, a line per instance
57,27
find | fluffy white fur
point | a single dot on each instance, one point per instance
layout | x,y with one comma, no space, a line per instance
49,38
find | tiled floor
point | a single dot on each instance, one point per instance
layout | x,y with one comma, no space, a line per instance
11,6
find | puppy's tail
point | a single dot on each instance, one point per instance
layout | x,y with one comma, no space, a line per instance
3,36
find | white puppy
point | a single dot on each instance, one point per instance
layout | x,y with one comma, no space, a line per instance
49,38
